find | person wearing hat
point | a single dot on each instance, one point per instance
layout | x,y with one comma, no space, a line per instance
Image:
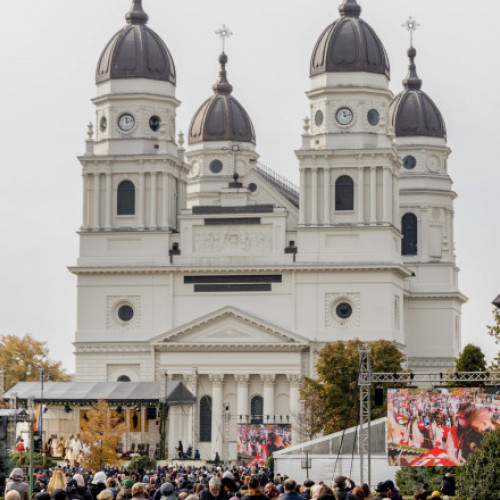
167,491
125,492
383,491
395,495
436,494
342,489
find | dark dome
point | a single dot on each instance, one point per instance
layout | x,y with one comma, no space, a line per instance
222,117
413,112
136,51
349,44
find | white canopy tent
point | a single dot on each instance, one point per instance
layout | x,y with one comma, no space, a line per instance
325,461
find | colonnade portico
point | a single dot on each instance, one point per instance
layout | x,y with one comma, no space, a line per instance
281,405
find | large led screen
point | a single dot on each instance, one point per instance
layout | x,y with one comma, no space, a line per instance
438,427
256,443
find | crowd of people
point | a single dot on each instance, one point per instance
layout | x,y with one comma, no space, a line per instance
200,483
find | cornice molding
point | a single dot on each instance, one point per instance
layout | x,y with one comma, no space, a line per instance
298,267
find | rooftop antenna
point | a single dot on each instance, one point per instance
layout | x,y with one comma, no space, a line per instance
411,25
224,33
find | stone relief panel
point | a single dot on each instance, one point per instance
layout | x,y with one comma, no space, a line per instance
245,240
335,321
117,305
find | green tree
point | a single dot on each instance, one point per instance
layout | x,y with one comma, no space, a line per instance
479,478
337,383
6,464
411,479
494,331
471,360
22,357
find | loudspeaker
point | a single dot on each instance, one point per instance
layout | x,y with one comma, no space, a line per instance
379,396
151,413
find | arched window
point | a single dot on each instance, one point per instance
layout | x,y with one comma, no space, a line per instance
123,378
409,245
344,193
257,410
206,419
126,198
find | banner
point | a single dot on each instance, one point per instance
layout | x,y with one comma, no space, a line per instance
438,427
257,442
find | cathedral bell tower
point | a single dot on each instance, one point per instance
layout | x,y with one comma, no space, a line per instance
433,303
221,143
133,172
349,171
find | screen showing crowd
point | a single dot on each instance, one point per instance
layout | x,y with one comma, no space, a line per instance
256,443
439,427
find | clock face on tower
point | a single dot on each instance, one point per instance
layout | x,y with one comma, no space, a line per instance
344,116
126,122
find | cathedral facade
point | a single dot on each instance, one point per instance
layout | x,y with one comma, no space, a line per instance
200,264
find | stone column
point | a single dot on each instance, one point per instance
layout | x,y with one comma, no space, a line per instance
268,382
140,208
302,197
128,435
326,196
217,382
85,220
95,218
152,221
373,195
314,197
295,381
242,397
165,201
109,202
361,196
386,195
191,381
396,217
143,424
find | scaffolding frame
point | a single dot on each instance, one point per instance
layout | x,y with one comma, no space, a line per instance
367,378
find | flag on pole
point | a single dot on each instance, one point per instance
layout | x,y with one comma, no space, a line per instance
38,417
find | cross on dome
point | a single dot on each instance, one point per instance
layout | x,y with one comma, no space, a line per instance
224,33
411,25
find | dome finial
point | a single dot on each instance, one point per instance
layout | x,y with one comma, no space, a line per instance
350,8
136,14
412,81
222,86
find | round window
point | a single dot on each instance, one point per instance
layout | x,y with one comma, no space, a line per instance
154,123
252,187
344,310
318,119
125,313
373,117
215,166
409,162
103,124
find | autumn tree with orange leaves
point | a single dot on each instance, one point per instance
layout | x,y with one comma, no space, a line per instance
101,432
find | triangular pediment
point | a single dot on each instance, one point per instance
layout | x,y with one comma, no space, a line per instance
229,326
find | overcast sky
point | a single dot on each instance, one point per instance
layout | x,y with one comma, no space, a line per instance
49,53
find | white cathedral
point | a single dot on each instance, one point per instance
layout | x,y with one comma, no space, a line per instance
204,264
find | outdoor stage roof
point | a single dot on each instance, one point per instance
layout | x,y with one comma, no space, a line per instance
120,392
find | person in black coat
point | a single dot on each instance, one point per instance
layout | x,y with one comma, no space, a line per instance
448,485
